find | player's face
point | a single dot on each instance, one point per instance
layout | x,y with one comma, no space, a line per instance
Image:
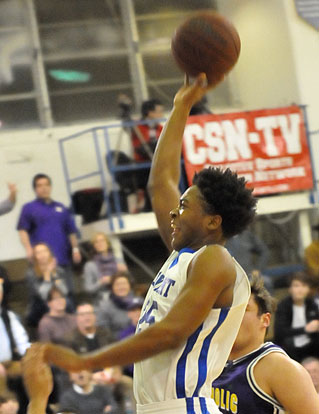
299,290
85,317
187,221
43,188
252,327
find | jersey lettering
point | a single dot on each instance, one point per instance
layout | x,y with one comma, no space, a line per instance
147,316
225,400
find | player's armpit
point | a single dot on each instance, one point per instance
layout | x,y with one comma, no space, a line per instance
289,383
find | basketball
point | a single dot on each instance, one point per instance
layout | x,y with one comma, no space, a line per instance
206,42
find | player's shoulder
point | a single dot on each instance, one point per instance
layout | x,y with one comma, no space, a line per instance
278,363
215,255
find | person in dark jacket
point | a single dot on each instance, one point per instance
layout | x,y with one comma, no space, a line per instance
297,320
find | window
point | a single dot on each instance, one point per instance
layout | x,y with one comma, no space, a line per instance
84,60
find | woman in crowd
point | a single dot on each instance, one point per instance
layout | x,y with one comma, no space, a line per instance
41,277
112,308
98,272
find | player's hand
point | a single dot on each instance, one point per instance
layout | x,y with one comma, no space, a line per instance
37,377
190,93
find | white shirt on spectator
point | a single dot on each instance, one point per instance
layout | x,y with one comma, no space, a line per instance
19,334
299,321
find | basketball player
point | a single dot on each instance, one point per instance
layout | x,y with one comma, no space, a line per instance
192,312
260,377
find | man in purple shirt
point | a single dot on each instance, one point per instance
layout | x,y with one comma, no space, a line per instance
48,221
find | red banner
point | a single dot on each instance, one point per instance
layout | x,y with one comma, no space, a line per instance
268,147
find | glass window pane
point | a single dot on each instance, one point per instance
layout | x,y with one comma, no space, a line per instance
91,73
161,65
12,13
155,6
17,79
17,114
53,11
82,37
84,106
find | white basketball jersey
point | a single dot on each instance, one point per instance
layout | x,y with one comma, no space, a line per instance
188,371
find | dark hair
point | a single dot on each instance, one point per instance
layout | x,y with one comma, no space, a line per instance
53,290
224,193
302,277
38,177
148,106
265,302
121,274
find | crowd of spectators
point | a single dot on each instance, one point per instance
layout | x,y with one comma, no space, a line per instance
111,309
54,314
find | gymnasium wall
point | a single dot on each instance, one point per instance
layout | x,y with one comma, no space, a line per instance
278,65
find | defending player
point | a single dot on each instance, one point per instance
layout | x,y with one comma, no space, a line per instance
192,312
260,377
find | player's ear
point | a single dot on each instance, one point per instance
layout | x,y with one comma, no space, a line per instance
214,222
265,319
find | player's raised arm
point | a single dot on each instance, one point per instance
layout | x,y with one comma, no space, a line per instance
165,171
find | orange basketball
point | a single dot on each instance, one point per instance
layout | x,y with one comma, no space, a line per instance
206,42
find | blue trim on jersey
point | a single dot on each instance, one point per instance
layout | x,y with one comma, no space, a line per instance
184,250
181,364
190,406
202,361
203,405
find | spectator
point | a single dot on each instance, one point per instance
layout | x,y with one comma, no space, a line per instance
48,221
41,277
112,309
87,336
297,320
98,272
86,397
14,342
145,136
311,364
55,325
8,405
134,312
312,257
7,205
144,140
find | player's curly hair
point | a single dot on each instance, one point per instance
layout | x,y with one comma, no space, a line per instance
265,302
224,193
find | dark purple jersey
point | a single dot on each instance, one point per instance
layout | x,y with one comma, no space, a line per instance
235,391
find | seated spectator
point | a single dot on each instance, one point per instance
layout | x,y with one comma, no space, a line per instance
41,277
297,320
14,342
134,312
87,336
311,364
84,396
98,272
8,405
54,326
112,309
